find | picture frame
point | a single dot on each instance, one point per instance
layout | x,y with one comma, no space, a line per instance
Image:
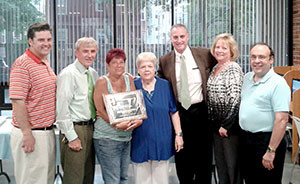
125,106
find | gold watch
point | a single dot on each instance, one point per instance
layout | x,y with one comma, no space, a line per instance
270,150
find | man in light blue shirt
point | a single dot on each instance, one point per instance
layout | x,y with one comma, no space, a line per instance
263,117
75,114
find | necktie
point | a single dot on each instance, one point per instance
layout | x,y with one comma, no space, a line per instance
90,93
184,97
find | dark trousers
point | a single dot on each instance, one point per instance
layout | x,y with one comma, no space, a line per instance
254,146
79,166
194,162
227,155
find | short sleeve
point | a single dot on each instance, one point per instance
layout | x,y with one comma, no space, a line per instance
19,84
281,97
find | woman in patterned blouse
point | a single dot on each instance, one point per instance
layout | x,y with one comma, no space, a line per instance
223,90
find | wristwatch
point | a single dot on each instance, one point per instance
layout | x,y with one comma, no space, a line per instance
270,150
179,134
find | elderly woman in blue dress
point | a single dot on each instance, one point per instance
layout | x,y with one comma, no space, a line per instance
153,143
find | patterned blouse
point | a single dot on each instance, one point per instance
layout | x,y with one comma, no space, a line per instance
224,96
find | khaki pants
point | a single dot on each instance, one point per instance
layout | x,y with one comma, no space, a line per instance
36,167
151,172
79,167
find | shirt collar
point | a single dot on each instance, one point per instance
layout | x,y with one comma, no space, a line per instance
265,77
80,67
33,57
185,52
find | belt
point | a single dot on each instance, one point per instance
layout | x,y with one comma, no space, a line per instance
43,128
88,122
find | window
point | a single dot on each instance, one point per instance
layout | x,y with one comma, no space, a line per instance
139,26
62,7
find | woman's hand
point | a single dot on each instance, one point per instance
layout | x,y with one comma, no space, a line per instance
223,132
178,143
122,125
133,124
128,125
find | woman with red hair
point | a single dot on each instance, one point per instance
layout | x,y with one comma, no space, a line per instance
112,142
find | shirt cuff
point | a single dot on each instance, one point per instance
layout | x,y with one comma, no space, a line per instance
71,135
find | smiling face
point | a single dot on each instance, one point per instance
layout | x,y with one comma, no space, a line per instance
41,44
261,60
116,66
222,51
146,69
86,55
179,39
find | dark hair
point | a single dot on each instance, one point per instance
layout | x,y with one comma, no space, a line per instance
265,44
115,53
37,27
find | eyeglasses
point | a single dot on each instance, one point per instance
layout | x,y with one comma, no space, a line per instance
259,57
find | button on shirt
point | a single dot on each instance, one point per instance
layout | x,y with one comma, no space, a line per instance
194,75
260,100
72,104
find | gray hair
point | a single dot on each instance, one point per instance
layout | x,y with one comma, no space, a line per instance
86,41
145,56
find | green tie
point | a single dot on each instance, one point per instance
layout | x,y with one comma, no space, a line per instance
90,92
184,97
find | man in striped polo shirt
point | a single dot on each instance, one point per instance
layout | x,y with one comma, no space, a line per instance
32,92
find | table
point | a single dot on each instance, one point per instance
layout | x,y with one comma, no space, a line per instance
5,151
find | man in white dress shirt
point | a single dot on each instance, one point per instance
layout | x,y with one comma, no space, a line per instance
75,114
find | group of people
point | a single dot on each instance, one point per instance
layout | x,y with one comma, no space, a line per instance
199,101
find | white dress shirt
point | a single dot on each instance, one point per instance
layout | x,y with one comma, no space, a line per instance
194,76
72,104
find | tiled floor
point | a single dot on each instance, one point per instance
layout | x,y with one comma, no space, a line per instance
8,168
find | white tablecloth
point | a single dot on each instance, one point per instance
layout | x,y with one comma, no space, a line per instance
5,151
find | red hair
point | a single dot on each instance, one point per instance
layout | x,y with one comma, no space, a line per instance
115,53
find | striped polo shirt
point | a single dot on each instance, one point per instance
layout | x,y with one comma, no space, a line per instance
33,81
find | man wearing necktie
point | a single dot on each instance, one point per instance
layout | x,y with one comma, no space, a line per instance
75,114
187,69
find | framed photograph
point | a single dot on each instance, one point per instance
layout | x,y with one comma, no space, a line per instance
125,106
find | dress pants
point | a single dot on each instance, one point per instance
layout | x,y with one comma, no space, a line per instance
227,156
38,166
194,161
79,166
254,146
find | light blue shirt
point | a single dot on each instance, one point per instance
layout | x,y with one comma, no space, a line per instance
260,100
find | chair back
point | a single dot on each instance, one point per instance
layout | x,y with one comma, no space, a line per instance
297,123
281,70
290,76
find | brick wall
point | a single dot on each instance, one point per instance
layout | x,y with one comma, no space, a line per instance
296,32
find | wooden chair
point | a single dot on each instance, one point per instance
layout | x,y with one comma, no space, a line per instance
296,113
294,107
281,70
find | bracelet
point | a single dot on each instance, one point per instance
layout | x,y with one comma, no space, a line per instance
179,134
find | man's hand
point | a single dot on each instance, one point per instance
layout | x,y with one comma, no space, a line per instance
75,145
28,143
267,160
